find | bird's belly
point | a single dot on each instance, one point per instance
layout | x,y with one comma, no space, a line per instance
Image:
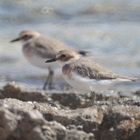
78,85
86,85
38,61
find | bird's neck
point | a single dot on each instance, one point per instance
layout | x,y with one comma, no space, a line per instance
26,42
69,61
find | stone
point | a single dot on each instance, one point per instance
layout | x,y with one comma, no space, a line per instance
26,114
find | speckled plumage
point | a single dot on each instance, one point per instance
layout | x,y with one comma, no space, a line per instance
87,68
84,74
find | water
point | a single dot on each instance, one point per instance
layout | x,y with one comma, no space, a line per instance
110,30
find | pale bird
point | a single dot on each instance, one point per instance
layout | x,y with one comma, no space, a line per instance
84,74
37,48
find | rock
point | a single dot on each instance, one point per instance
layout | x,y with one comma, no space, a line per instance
8,123
27,115
14,91
78,135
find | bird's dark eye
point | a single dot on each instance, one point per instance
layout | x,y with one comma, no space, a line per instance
63,56
25,36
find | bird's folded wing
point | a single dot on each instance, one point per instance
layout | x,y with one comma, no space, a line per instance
47,47
90,69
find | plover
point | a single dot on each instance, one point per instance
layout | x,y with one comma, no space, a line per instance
84,74
37,48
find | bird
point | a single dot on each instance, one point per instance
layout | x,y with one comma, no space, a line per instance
84,74
37,48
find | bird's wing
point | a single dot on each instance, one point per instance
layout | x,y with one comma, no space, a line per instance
48,47
87,68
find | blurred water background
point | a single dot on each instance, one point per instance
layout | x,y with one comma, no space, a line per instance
109,29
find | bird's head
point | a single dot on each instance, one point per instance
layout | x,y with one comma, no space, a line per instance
65,56
26,35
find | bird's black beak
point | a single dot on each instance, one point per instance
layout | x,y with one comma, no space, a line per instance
83,53
14,40
51,60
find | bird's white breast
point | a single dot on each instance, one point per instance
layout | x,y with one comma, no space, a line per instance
35,59
84,84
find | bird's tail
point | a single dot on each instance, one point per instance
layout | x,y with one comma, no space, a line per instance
127,78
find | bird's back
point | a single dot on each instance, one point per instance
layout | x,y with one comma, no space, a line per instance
48,47
88,68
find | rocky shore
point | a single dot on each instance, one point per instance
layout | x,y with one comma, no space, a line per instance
53,115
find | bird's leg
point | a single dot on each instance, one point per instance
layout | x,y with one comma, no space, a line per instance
46,83
93,95
49,80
